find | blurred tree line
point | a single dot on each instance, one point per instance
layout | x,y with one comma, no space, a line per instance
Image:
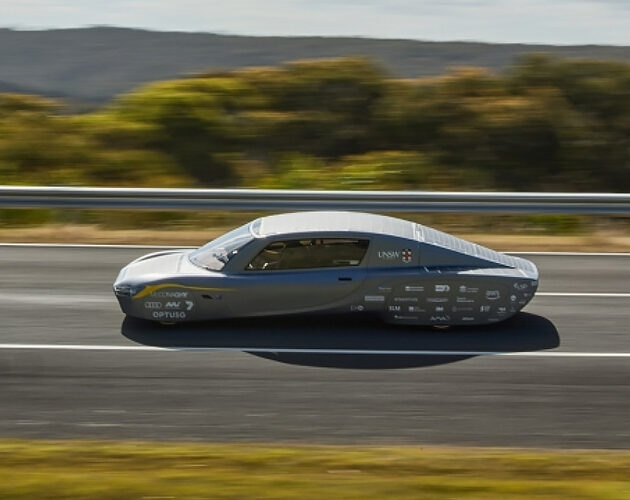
546,124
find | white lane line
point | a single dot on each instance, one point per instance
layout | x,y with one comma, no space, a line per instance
573,254
175,247
80,302
44,298
583,294
387,352
95,245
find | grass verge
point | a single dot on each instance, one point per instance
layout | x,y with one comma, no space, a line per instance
126,470
598,241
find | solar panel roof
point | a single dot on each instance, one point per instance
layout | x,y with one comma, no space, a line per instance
334,221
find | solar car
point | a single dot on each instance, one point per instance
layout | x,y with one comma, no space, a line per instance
329,262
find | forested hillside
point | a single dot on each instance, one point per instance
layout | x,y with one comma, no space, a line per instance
543,124
95,64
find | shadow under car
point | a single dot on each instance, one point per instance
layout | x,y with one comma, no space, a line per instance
345,341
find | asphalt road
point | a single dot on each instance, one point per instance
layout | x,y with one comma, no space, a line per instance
564,381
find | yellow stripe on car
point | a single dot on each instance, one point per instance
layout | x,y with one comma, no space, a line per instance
148,290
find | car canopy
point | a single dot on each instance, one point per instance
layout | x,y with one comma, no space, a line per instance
436,248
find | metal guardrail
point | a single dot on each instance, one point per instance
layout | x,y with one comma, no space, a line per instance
282,200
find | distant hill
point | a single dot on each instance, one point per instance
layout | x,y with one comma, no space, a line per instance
12,88
95,64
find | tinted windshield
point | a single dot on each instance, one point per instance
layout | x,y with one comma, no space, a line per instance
217,253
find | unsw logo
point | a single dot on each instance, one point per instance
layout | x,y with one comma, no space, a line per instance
388,254
405,255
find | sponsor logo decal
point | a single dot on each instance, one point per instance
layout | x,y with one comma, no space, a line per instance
406,255
462,309
408,318
374,298
164,294
168,315
442,288
405,299
153,305
464,300
388,254
440,318
174,291
493,294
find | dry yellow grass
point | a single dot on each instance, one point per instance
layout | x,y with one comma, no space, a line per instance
98,235
596,242
600,241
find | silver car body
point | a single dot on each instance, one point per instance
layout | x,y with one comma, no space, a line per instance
330,262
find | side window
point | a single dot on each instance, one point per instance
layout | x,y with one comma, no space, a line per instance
310,253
